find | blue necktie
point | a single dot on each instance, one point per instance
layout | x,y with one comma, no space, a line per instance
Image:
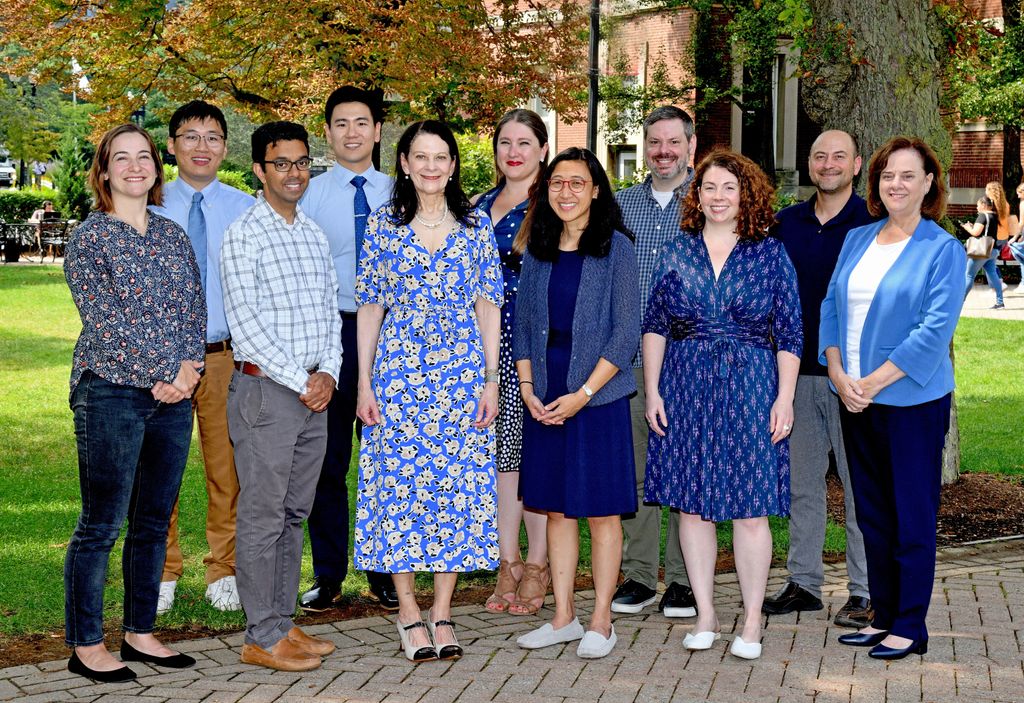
197,233
361,207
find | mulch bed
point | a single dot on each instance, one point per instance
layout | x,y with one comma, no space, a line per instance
975,507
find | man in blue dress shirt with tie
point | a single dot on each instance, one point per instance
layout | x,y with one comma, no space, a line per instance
339,201
205,207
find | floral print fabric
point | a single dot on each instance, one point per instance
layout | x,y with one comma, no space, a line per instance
140,298
427,498
719,378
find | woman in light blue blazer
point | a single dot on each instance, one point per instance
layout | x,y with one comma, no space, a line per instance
886,325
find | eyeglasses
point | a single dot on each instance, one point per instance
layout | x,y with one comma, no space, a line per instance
284,165
192,139
576,185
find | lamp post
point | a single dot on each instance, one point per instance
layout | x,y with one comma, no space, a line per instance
595,40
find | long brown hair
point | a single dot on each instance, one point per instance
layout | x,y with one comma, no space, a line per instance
994,190
100,186
756,193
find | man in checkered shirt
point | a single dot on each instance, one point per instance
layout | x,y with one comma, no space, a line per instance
280,296
651,210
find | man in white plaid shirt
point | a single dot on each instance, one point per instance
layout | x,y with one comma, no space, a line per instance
280,296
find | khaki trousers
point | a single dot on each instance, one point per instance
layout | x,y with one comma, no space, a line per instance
210,404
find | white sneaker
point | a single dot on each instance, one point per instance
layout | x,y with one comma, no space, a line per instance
223,594
546,635
594,645
165,600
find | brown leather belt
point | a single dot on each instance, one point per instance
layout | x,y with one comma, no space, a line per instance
217,347
251,369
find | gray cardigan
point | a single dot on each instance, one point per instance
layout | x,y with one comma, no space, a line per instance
606,322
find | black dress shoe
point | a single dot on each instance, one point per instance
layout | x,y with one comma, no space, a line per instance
75,666
678,602
175,661
790,598
632,597
856,613
386,594
880,651
324,595
863,639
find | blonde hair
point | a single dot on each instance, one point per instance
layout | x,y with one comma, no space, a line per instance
994,190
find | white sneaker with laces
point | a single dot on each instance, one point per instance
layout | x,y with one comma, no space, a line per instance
165,599
223,594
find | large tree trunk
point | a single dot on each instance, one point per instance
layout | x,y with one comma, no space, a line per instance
890,86
893,89
1012,171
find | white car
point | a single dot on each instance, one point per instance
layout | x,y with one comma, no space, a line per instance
7,171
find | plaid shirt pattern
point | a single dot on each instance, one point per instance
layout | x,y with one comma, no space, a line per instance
281,295
652,226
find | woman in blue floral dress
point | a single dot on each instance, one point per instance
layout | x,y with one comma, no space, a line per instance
429,289
721,344
520,156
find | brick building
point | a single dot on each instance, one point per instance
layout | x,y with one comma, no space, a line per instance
637,37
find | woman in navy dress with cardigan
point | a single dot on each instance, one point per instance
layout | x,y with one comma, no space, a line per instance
520,155
575,336
886,324
721,345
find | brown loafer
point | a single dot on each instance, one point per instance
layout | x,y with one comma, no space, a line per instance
286,655
308,643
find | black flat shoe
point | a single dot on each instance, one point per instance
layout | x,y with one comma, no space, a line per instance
888,653
791,598
175,661
324,595
858,639
386,594
75,666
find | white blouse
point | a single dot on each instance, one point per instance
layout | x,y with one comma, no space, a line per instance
863,284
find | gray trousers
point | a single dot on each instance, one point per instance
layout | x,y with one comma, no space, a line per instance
279,449
815,430
641,548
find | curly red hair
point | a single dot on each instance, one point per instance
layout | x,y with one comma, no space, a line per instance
756,195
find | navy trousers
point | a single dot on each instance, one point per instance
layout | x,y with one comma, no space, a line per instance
895,457
328,523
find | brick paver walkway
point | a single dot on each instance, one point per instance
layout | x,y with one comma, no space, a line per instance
975,654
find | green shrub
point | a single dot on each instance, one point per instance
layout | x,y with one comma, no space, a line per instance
74,199
18,205
477,168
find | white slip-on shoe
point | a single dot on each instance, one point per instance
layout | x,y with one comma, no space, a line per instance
701,640
546,635
165,599
594,645
745,650
223,594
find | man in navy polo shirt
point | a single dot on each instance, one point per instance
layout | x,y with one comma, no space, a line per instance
813,233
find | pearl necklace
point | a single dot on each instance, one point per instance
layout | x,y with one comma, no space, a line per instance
432,225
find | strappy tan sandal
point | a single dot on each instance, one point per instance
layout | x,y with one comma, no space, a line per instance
507,584
533,588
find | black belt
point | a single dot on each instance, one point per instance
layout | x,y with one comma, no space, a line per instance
217,347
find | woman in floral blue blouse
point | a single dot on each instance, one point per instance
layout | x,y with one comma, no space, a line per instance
134,278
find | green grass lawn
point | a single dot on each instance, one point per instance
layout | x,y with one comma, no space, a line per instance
39,497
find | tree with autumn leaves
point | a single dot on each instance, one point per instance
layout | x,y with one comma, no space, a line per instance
455,60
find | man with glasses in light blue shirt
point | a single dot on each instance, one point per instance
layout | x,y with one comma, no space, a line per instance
205,208
339,201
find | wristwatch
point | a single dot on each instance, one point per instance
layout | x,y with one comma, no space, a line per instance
586,391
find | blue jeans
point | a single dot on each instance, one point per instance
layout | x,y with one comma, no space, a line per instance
132,451
991,273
